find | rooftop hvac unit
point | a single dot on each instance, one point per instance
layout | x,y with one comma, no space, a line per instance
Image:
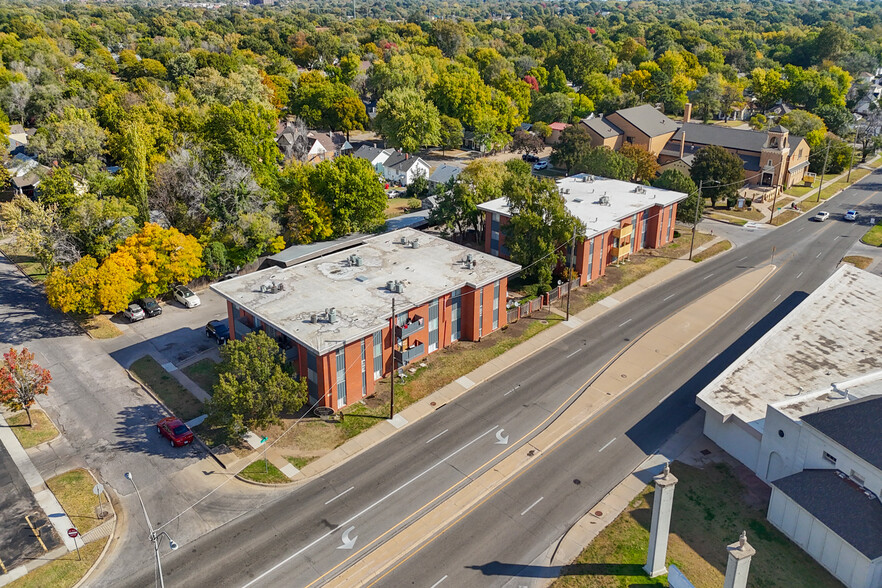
399,286
469,258
313,318
604,200
403,241
390,285
332,315
415,244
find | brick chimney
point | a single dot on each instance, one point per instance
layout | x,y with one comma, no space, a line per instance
687,112
407,156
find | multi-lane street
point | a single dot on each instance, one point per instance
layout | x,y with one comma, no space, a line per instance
311,534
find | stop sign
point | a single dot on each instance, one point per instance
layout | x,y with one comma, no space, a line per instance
72,532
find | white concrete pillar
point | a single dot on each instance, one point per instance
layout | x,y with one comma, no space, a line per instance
739,563
661,523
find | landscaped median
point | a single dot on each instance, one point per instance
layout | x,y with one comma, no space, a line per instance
173,395
874,235
74,492
29,436
711,508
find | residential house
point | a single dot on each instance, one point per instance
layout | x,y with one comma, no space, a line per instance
18,138
27,173
773,158
619,217
443,174
374,155
556,129
334,314
641,125
315,146
402,168
801,408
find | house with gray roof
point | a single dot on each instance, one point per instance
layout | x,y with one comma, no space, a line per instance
403,168
801,408
641,125
443,174
373,154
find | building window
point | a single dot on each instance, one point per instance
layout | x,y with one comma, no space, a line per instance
799,154
455,312
363,370
312,375
643,232
341,378
769,163
590,260
670,218
433,326
480,294
378,355
633,236
496,305
629,139
829,458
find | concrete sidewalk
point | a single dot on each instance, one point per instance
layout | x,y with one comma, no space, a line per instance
622,374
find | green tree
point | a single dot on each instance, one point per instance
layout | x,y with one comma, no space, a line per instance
74,136
451,133
540,225
645,162
708,96
133,160
801,122
97,225
457,208
555,107
526,142
461,93
720,173
58,189
672,179
768,87
407,121
255,385
574,145
603,161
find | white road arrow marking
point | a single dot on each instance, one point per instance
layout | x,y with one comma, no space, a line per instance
347,542
501,439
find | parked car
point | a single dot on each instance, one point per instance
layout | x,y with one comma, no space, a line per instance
185,296
851,216
219,330
151,306
174,429
821,216
396,194
540,165
529,158
134,313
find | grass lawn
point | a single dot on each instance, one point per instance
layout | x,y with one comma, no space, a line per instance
875,163
264,472
177,398
73,490
785,216
799,191
99,327
711,508
714,249
28,263
858,261
42,431
299,462
873,236
745,214
204,373
397,207
63,572
726,218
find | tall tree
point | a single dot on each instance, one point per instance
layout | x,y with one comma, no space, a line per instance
21,380
451,133
574,145
720,173
255,385
646,163
407,121
603,161
133,161
672,179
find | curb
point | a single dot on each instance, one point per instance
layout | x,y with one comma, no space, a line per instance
106,545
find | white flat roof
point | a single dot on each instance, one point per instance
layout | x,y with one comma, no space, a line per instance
358,292
584,193
831,342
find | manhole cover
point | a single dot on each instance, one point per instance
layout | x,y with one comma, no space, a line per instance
577,481
431,404
598,513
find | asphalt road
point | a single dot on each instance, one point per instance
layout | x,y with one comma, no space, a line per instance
300,539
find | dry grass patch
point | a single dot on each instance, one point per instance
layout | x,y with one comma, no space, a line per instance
42,431
99,327
63,572
726,218
785,216
714,249
397,207
745,214
859,261
177,398
73,490
711,508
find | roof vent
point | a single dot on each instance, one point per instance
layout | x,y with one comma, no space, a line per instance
604,200
640,190
588,178
577,200
415,244
390,285
332,315
402,240
313,318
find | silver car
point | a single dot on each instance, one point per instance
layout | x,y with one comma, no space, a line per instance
134,313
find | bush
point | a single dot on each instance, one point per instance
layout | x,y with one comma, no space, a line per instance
676,234
531,290
414,204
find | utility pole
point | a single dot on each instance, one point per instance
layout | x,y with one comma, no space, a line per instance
698,204
570,276
774,201
851,163
394,362
823,170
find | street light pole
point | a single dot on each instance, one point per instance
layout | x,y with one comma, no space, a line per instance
698,204
154,535
570,276
823,170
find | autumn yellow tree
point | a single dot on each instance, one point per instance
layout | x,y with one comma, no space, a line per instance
74,289
117,281
160,257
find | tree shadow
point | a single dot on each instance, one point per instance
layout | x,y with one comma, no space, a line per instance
136,433
496,568
24,312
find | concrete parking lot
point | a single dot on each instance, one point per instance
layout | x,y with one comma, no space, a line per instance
176,335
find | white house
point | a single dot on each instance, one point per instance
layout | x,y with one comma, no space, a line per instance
375,156
401,168
801,408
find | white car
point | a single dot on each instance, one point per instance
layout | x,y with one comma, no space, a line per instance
851,216
186,297
540,165
134,313
821,216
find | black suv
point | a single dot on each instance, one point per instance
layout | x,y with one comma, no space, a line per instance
150,306
529,158
219,330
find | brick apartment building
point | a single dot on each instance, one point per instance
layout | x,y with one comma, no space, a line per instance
333,314
620,218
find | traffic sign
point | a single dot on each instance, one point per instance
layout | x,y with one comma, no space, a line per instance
73,533
97,489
